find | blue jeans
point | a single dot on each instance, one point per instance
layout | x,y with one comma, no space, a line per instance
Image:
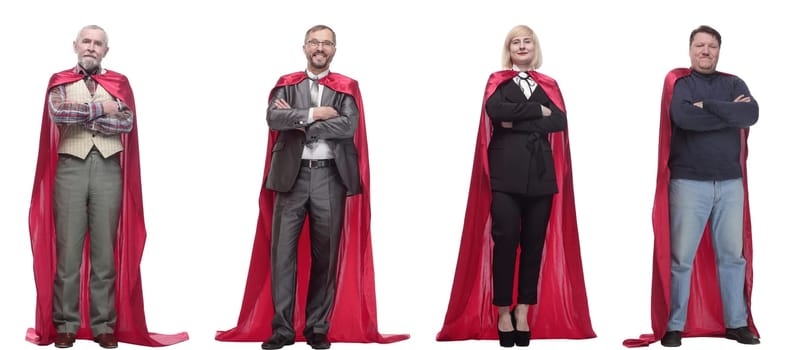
692,204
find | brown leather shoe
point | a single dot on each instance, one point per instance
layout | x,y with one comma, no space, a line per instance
65,340
106,340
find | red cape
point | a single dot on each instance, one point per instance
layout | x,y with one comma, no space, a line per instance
353,318
704,313
131,325
563,310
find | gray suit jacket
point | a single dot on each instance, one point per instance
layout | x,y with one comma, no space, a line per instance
293,130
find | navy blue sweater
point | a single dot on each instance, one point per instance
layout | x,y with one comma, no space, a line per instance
705,142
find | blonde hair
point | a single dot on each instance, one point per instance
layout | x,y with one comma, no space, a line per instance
521,30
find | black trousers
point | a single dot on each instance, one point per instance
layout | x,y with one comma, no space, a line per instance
321,195
518,220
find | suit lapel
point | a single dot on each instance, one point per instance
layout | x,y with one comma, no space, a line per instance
328,99
303,99
303,91
513,89
328,96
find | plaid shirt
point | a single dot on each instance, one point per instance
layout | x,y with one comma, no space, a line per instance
90,115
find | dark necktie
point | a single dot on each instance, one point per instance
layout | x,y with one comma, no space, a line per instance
526,83
90,83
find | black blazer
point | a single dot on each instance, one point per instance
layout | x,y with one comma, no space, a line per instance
288,148
520,158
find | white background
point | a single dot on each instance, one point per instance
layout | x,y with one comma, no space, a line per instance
201,72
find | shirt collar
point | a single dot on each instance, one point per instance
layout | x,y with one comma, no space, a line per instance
316,76
80,70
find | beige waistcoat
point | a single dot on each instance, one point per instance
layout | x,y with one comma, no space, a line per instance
75,139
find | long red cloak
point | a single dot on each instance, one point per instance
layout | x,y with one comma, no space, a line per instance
131,325
704,313
353,318
562,311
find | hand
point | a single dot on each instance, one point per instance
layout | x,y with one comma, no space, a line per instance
507,125
110,107
281,104
698,104
742,98
324,113
546,112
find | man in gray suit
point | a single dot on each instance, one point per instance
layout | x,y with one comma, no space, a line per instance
313,168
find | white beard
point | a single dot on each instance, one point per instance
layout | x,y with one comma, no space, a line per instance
88,63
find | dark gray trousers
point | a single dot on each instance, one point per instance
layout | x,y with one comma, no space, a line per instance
321,195
87,198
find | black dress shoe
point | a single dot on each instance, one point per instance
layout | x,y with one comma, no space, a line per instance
507,339
671,339
277,341
65,340
318,341
742,335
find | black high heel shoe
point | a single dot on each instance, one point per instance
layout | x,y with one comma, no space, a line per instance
507,339
522,338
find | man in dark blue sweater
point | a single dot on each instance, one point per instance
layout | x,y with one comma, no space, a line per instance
707,111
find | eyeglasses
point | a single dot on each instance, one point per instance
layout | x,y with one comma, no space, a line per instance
315,43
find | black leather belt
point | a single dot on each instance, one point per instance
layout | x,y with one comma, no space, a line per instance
317,163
